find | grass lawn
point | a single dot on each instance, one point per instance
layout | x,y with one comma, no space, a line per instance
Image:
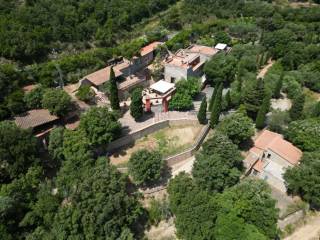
168,141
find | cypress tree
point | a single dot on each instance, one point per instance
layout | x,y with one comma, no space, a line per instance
316,110
297,107
114,98
277,90
213,97
261,117
216,109
202,114
253,97
228,100
136,109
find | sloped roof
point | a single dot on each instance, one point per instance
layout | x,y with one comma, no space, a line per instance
150,48
103,75
276,143
34,118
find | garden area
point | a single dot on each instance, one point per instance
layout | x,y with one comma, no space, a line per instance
168,141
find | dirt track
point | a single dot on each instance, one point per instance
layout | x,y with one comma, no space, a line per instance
310,231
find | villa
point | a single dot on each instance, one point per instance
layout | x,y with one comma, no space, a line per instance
269,158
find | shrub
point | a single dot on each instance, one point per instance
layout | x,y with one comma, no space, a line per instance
85,93
57,101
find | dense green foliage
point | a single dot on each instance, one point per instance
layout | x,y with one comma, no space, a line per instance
85,93
238,127
40,26
186,90
146,167
33,99
297,107
305,134
304,179
218,165
253,97
18,151
100,126
261,116
220,69
57,101
55,147
202,114
194,210
136,108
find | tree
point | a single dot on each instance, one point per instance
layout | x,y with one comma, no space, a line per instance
18,151
251,201
194,210
55,147
100,126
15,102
304,179
146,167
33,99
85,93
114,97
222,37
230,226
181,102
316,110
190,86
278,87
238,127
305,134
136,109
296,110
216,108
213,96
221,69
279,121
228,101
212,174
57,101
202,114
261,116
253,97
101,208
218,165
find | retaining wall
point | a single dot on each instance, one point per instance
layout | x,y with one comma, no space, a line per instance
132,137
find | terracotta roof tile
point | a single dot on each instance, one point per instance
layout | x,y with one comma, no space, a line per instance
34,118
150,48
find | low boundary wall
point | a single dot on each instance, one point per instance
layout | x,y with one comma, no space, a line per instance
132,137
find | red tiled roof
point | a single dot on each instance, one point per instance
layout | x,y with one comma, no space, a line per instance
101,76
276,143
150,48
34,118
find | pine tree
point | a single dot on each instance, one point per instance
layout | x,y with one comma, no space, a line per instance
277,90
114,98
297,107
261,117
213,97
202,114
216,109
136,109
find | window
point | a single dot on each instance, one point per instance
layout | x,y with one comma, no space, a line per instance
172,80
269,155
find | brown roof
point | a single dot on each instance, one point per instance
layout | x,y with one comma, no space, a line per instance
276,143
29,88
34,118
103,75
150,48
